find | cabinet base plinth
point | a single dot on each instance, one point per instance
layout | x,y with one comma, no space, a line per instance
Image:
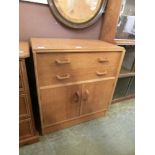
72,122
29,140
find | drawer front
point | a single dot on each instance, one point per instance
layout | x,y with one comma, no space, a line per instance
56,68
25,129
24,109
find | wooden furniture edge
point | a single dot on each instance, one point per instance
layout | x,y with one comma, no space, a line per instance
129,74
74,121
72,46
117,77
29,140
122,99
110,20
24,46
38,91
124,42
23,49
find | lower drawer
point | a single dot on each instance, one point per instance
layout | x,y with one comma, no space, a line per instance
25,129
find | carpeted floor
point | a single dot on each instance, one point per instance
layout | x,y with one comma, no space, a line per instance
109,135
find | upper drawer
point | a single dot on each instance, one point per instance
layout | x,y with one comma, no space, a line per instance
56,68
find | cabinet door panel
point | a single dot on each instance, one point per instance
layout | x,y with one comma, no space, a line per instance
96,96
60,104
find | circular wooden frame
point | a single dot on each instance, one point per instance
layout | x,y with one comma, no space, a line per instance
77,25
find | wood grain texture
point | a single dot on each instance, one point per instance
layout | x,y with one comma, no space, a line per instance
74,45
124,41
24,49
59,104
96,96
81,66
63,104
74,121
27,131
24,109
110,20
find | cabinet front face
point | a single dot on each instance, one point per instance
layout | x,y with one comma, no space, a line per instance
96,96
60,104
60,68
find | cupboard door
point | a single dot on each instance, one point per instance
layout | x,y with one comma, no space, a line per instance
96,96
60,104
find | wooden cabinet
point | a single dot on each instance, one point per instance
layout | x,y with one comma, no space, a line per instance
27,131
75,79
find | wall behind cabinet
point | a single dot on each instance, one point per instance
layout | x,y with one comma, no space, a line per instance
36,20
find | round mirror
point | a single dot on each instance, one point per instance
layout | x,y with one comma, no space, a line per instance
77,13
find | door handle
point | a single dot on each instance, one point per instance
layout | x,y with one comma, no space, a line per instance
101,73
76,97
86,95
60,62
63,77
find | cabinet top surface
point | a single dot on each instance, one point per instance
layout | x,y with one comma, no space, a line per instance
65,45
23,49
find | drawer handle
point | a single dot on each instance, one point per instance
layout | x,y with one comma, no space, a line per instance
102,60
63,77
76,96
101,73
60,62
86,95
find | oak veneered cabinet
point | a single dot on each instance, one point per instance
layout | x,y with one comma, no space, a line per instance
27,131
75,79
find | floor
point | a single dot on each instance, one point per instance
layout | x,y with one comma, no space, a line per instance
109,135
